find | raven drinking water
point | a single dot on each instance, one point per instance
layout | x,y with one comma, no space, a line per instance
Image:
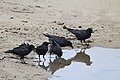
62,41
55,48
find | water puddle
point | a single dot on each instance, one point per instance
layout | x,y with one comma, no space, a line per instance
94,64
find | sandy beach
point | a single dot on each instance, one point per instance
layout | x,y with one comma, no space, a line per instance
27,20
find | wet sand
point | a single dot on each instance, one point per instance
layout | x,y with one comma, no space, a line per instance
27,20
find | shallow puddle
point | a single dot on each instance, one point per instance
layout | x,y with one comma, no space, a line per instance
93,64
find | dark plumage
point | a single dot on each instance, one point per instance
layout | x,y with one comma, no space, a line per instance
23,44
42,49
21,51
55,48
81,35
62,41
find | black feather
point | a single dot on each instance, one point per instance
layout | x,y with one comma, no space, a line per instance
21,51
42,49
62,41
81,35
55,48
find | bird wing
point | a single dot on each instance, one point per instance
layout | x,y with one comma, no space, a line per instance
42,48
84,34
49,35
63,41
74,31
57,39
57,48
80,34
20,50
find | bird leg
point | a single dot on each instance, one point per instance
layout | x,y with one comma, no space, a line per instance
44,57
56,57
82,42
22,61
85,42
50,54
83,50
39,60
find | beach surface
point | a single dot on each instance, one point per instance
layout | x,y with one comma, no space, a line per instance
27,20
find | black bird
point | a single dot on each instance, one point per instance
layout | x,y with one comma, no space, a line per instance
81,35
21,51
42,49
62,41
55,48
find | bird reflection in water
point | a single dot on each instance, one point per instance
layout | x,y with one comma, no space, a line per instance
55,65
82,57
43,66
59,63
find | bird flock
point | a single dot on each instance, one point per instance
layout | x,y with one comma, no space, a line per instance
55,43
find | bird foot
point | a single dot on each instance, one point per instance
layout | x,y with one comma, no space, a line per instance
24,63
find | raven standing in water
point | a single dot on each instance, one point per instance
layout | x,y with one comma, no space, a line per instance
62,41
21,51
55,48
81,35
42,49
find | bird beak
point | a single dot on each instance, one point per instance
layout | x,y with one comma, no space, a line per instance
72,47
34,50
93,31
49,43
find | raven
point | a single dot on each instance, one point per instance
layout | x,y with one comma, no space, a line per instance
42,49
81,35
22,50
55,49
62,41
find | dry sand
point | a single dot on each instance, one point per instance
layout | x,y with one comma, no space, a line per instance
26,20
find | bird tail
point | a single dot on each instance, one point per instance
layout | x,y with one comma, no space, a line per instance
64,27
47,35
9,51
69,29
